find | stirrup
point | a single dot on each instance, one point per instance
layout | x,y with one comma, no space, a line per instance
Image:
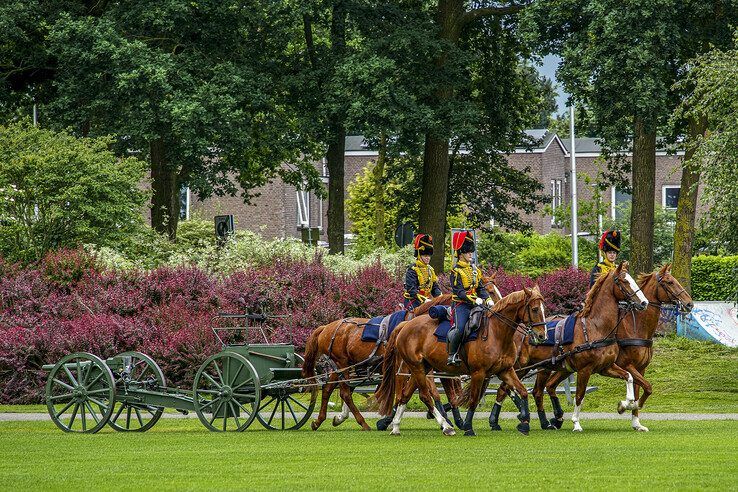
453,360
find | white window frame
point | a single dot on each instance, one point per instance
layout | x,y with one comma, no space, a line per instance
187,203
556,199
663,195
303,208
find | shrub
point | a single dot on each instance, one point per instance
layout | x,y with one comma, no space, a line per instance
57,191
714,278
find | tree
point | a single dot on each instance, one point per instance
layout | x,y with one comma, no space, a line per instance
193,88
714,98
57,190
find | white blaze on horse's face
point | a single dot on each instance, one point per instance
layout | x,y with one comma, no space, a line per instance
499,296
636,289
543,312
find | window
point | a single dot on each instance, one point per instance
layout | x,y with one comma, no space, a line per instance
670,196
556,187
618,200
303,208
184,203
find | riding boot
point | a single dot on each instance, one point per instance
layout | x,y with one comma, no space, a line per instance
454,343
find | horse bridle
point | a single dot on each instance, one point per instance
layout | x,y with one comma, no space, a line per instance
526,328
628,296
674,298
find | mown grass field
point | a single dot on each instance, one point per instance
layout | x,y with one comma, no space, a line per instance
182,455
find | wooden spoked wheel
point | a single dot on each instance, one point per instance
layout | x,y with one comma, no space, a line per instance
284,410
226,392
134,370
80,393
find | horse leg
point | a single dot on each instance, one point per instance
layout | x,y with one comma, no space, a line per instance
343,416
349,401
552,382
617,372
538,397
510,377
476,385
450,389
635,419
324,399
426,396
582,380
494,415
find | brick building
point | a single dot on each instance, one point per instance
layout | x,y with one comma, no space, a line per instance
281,210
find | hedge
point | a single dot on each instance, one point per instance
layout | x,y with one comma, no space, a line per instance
714,278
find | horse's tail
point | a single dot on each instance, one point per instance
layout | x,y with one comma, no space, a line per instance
385,394
456,392
466,395
311,352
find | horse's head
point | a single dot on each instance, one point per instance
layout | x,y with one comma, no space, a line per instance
490,286
670,291
625,288
533,314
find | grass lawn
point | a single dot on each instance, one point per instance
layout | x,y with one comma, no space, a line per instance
182,455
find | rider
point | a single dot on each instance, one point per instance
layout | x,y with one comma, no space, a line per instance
468,290
421,282
610,247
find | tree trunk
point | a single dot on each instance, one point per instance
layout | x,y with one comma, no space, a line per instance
378,175
642,210
434,195
687,209
337,142
165,187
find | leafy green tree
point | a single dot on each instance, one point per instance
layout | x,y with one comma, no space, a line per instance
714,98
57,190
663,232
194,88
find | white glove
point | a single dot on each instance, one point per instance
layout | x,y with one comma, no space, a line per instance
428,300
489,302
478,301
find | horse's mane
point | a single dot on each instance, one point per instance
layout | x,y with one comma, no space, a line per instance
424,307
593,293
644,277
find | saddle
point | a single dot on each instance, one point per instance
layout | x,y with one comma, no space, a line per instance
380,328
471,330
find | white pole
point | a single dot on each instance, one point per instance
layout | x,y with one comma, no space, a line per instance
35,115
574,216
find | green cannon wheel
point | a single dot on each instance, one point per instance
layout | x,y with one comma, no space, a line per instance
80,393
283,410
139,371
226,392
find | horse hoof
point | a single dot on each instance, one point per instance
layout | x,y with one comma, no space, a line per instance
470,432
429,416
314,425
495,427
383,424
524,428
395,432
640,428
577,428
365,428
551,427
545,424
621,408
557,423
448,431
337,422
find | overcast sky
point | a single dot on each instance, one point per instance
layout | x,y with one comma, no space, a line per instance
550,63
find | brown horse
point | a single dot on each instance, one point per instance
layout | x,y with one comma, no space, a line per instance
341,341
634,337
493,352
595,343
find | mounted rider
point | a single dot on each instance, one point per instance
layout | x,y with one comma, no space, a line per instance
421,282
610,247
468,291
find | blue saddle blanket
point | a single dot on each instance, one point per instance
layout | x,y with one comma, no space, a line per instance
568,336
371,329
442,331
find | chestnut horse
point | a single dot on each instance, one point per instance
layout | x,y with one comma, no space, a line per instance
493,352
341,341
634,337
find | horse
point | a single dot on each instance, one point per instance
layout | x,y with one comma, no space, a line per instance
595,343
341,341
634,334
636,337
493,352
